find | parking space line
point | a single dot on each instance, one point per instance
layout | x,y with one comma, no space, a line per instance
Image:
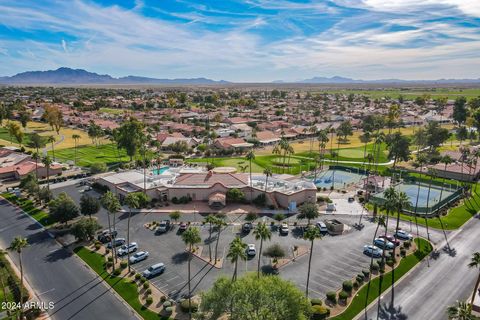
176,276
312,290
337,274
321,285
327,280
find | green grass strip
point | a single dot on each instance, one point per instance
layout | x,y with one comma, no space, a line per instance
406,264
29,207
125,288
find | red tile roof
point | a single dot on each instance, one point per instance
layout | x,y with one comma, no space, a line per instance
209,179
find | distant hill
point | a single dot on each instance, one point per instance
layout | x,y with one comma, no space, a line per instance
338,80
79,76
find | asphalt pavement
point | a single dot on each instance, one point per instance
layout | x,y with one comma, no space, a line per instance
56,274
436,284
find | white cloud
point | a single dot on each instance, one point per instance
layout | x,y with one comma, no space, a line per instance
64,45
119,41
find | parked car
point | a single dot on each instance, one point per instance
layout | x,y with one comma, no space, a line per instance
284,229
404,235
105,236
251,251
183,226
351,199
164,226
384,244
139,256
116,242
322,226
373,251
154,270
391,238
247,227
132,247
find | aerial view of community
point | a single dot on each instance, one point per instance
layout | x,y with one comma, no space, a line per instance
240,159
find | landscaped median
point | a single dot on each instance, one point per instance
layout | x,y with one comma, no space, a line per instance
357,303
29,207
126,287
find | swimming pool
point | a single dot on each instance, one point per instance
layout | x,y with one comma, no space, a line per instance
160,170
342,178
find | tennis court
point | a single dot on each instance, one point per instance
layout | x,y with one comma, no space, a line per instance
341,178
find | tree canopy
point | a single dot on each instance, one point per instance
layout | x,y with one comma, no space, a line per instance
252,298
63,208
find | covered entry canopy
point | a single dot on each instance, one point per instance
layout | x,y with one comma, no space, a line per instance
217,200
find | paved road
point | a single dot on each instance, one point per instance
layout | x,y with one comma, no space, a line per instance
426,293
57,275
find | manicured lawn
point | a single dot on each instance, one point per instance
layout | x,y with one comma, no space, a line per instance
407,263
235,162
29,207
87,155
125,288
411,94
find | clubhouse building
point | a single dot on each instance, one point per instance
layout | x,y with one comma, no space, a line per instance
198,184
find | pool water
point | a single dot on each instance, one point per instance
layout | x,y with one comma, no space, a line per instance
342,178
160,171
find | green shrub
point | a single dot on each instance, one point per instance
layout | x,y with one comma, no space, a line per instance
343,296
366,273
109,259
109,264
138,276
167,304
407,244
117,272
184,306
142,280
374,267
320,312
347,286
403,252
332,297
97,246
98,167
148,291
123,264
163,299
355,285
360,278
168,310
146,285
149,301
316,301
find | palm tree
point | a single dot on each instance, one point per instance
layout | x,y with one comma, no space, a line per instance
380,223
47,162
310,234
36,157
322,144
75,138
421,161
460,311
219,223
51,139
211,220
17,245
250,156
365,138
313,131
445,160
261,232
190,237
475,263
402,201
268,173
112,205
236,251
131,200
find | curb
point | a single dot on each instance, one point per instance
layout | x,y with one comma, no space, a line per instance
109,288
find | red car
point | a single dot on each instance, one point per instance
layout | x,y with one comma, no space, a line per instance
392,239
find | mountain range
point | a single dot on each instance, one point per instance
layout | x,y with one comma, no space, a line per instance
65,75
79,76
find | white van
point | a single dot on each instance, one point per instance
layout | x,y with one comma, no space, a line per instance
154,270
322,226
331,207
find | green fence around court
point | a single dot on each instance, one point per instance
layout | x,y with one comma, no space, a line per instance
423,210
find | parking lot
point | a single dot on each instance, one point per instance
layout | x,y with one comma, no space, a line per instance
335,258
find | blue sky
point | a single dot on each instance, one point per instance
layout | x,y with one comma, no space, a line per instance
244,40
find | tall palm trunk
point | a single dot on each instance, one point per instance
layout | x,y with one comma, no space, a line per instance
309,266
397,227
234,277
111,238
216,244
370,273
210,242
382,265
477,284
128,238
189,283
21,283
416,203
251,182
114,249
48,176
259,257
